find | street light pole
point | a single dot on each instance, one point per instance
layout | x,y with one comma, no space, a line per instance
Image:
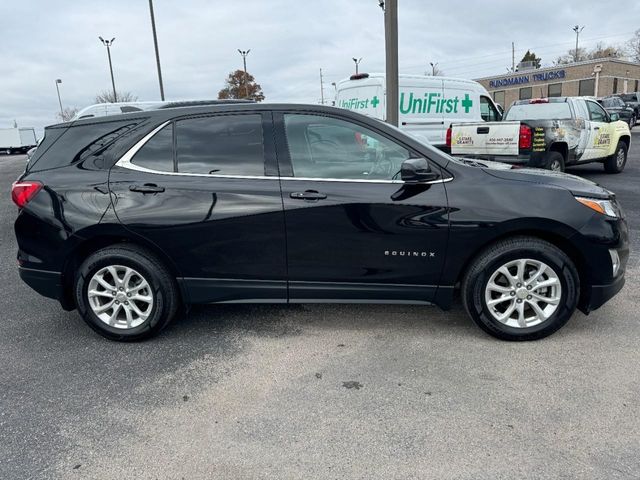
357,62
391,58
244,54
433,68
155,44
58,81
108,43
577,29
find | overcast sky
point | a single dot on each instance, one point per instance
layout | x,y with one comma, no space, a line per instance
41,40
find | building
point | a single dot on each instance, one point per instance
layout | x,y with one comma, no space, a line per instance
592,77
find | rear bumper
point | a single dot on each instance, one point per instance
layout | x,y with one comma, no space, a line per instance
48,284
601,294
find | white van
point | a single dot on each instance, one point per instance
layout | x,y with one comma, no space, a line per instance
428,105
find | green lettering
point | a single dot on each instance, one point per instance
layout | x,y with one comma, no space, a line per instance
404,110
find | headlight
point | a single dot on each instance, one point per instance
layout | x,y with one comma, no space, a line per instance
605,207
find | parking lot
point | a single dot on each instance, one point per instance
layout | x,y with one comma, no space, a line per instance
331,391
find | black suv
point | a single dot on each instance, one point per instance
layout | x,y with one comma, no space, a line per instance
126,218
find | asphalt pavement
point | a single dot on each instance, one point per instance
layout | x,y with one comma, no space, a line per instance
319,391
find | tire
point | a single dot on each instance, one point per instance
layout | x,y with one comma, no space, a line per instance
554,161
148,308
477,291
616,162
632,122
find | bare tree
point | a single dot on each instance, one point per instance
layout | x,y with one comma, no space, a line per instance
67,114
106,96
633,46
435,72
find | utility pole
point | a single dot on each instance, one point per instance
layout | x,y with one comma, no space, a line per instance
321,89
244,54
108,44
391,57
357,62
577,29
58,81
513,56
433,68
155,44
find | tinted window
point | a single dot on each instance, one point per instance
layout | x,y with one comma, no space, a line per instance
221,145
79,142
157,153
526,93
596,113
323,147
587,87
555,90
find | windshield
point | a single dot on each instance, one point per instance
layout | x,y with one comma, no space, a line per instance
539,111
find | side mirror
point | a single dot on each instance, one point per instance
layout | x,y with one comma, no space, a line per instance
614,117
415,170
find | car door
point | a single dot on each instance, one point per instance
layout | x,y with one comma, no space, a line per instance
205,191
600,133
354,230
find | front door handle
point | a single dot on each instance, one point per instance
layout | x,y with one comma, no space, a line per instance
147,188
482,130
596,128
308,195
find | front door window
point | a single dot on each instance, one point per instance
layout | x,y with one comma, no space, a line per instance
327,148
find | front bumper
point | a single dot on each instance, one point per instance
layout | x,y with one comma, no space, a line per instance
598,295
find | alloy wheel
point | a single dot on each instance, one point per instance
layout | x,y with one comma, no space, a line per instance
523,293
120,297
620,157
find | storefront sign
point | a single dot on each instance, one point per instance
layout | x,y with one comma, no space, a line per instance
523,79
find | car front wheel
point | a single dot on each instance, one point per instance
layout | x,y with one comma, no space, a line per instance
124,293
522,288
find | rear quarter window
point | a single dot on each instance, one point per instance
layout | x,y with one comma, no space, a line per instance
78,142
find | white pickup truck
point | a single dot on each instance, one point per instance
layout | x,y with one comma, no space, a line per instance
547,133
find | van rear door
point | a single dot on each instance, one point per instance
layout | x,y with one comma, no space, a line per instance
492,139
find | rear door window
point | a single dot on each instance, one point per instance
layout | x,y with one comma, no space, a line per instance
221,145
157,153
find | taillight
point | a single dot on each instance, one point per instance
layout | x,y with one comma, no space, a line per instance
526,137
23,192
448,140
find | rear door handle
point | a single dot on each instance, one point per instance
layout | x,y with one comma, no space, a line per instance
147,188
308,195
482,130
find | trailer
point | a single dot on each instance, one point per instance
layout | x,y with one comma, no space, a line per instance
17,140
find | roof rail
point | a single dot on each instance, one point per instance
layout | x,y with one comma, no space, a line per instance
202,103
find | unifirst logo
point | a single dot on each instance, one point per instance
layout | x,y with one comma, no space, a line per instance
433,102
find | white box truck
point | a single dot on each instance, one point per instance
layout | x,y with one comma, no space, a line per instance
428,105
17,140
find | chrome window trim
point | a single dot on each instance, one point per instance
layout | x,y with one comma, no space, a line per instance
125,162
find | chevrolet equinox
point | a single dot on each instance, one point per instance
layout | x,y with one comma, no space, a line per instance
126,218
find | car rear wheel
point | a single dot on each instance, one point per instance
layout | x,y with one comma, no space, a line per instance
616,162
520,289
124,293
555,162
632,122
